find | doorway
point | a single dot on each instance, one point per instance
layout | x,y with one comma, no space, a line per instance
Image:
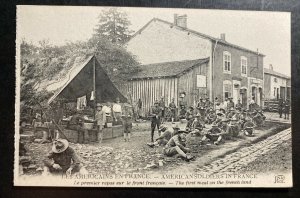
243,97
236,93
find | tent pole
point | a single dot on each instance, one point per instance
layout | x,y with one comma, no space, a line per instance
94,85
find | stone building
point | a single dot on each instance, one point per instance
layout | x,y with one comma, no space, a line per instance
276,85
231,70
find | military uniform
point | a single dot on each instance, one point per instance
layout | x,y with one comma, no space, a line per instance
155,120
67,159
286,110
170,149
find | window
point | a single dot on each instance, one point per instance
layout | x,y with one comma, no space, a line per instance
227,62
275,80
274,91
244,66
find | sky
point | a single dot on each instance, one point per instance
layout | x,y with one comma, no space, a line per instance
269,32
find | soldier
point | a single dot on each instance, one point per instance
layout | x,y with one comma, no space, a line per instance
248,127
286,109
231,112
162,105
225,104
233,128
280,107
177,145
239,104
182,112
76,123
62,159
167,134
100,119
217,105
127,123
197,123
155,119
172,107
211,117
207,103
214,135
230,104
189,117
252,104
200,104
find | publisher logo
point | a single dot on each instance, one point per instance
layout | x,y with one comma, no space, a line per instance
279,179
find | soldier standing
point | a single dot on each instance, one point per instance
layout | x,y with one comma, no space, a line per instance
280,107
172,107
230,104
156,119
239,105
286,109
162,105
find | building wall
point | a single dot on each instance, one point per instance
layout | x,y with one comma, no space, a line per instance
280,85
158,42
254,75
267,87
149,90
188,83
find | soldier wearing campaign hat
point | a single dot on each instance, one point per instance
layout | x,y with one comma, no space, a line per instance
177,145
62,159
156,113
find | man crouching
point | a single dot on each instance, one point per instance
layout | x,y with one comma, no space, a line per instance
176,145
62,159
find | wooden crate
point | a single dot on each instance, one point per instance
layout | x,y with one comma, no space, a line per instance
117,131
107,133
71,135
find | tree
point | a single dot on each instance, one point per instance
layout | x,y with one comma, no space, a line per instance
114,26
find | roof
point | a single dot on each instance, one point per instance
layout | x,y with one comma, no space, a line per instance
197,34
274,73
167,69
79,82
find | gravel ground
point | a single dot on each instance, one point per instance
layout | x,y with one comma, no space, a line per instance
277,160
117,156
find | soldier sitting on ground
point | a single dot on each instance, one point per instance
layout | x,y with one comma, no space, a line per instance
62,159
166,135
223,124
197,123
231,113
258,118
248,127
211,117
233,128
182,112
189,117
214,135
177,145
219,118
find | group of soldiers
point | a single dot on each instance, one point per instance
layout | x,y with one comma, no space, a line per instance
284,108
213,122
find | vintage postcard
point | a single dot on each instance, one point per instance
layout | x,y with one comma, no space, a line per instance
152,97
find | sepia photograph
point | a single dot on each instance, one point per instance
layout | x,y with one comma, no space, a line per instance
152,97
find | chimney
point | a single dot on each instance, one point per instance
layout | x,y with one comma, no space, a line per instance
222,36
180,21
271,67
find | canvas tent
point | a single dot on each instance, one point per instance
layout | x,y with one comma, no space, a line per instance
86,78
